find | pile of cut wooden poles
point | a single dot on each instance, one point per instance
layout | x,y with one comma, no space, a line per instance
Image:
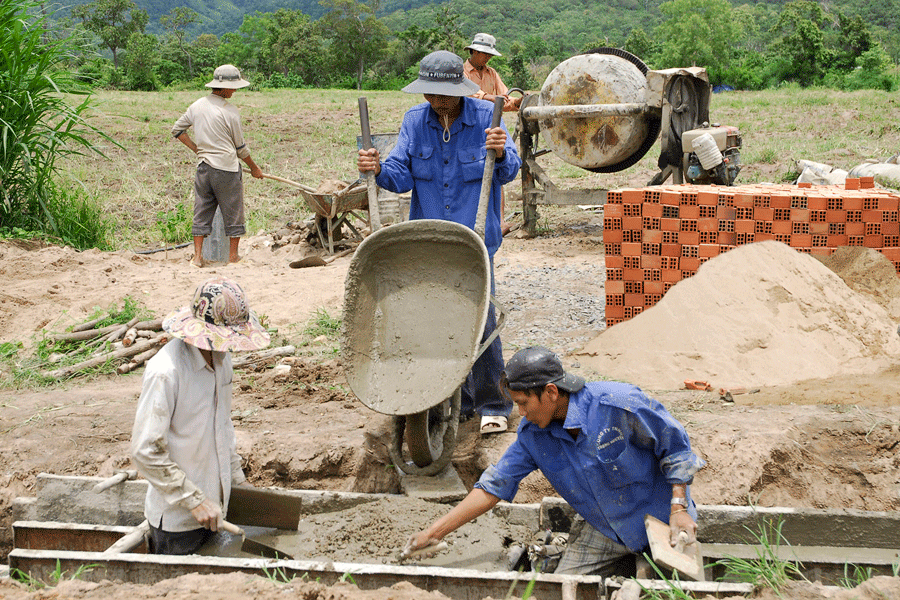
132,344
135,341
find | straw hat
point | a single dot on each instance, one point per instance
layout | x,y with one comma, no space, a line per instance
218,319
441,73
484,42
228,77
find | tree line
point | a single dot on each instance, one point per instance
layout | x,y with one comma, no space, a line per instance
750,46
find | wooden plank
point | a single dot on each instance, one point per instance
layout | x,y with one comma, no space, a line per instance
457,584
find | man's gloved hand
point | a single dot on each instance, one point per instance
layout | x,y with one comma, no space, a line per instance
681,522
208,514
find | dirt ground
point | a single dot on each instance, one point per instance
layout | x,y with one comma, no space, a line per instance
822,443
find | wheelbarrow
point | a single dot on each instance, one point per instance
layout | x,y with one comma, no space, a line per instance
332,210
416,302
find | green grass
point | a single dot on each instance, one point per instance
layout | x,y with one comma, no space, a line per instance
28,371
310,136
57,575
768,569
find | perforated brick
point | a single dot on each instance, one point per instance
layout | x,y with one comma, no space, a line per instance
762,227
651,248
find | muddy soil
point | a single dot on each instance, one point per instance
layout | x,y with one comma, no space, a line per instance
823,443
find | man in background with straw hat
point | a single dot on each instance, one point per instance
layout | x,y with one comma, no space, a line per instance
440,156
183,441
482,49
220,142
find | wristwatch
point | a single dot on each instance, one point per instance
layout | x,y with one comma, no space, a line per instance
681,501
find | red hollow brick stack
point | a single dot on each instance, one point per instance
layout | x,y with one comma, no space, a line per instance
656,236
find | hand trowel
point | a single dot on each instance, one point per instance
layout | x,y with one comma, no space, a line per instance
684,558
253,546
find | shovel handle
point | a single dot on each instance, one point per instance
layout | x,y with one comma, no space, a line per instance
374,215
487,178
232,528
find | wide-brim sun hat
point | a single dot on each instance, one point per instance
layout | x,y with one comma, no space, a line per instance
218,319
441,74
484,42
535,367
228,77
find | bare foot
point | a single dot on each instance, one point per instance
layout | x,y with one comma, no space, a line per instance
197,262
505,227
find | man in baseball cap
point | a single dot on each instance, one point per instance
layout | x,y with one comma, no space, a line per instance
440,156
183,438
613,453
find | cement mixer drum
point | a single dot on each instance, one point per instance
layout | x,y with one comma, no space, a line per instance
601,144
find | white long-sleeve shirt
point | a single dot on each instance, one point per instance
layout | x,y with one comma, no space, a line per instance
217,132
183,438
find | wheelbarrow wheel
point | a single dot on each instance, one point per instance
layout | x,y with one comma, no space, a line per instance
425,434
430,437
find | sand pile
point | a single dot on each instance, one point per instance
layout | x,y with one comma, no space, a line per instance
759,315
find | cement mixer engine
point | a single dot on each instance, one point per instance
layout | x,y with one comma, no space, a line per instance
711,154
603,110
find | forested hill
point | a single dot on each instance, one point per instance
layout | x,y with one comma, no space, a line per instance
568,23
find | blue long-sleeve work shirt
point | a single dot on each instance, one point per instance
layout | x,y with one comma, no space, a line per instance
445,177
627,455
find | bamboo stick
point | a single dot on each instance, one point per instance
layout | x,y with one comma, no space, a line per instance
129,337
137,361
88,324
79,336
154,325
132,350
253,357
122,329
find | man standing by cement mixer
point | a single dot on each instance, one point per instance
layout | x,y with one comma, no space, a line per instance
440,156
482,49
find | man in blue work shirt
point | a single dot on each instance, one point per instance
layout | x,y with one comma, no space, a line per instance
610,451
440,156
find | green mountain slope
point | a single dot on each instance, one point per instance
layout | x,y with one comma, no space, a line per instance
570,24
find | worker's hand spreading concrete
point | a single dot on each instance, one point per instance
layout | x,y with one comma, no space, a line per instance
421,546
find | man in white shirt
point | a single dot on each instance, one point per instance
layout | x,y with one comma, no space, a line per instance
183,441
220,142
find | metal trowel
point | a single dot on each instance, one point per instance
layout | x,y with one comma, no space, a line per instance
687,559
253,546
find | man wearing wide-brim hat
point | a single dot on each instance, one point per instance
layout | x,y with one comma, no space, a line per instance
440,155
482,49
219,144
183,438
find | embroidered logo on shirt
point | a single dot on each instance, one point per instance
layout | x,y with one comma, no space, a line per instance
610,444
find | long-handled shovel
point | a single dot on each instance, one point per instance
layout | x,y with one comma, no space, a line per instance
374,215
488,177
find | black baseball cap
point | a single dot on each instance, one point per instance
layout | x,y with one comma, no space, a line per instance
537,366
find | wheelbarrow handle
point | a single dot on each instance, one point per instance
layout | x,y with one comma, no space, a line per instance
501,322
374,214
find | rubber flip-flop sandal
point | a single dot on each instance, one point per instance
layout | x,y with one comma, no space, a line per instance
492,424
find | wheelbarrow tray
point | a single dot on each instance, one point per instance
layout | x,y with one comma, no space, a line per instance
330,205
415,305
